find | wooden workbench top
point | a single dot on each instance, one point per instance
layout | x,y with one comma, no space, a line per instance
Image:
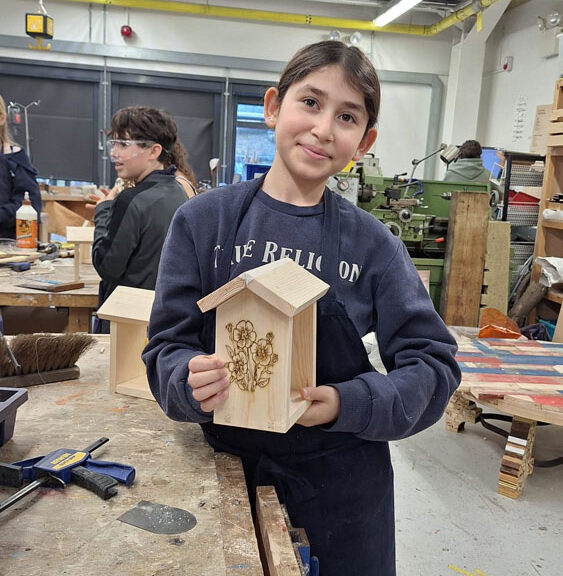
11,294
72,531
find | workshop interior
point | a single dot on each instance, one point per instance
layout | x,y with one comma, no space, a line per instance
93,475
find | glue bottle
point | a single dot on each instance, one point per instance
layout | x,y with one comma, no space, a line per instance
26,224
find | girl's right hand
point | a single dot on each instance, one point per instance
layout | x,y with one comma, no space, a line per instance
95,199
209,381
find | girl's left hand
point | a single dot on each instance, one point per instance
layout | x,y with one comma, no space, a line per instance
324,408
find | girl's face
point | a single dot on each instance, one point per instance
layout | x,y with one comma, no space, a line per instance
134,159
320,125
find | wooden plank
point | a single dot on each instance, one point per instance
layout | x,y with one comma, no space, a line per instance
274,535
497,266
126,366
53,287
286,286
240,548
464,258
80,234
282,283
555,224
222,294
538,144
126,304
554,140
558,334
523,406
555,127
137,387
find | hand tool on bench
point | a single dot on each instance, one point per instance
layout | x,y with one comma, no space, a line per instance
62,466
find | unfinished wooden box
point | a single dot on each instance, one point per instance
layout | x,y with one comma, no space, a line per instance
128,310
266,334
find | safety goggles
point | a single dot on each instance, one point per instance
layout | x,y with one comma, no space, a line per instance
131,147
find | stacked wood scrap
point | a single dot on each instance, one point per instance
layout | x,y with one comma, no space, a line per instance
517,462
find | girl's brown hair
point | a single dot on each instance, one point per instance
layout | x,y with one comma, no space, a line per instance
179,157
357,69
145,123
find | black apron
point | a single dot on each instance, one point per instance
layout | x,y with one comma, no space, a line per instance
336,486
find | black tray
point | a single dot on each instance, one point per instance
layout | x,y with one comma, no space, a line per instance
10,400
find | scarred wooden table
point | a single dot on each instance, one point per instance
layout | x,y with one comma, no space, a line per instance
72,531
80,303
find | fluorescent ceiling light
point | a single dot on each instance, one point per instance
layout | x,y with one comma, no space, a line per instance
395,11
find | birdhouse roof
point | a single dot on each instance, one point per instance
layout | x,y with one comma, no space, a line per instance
126,304
283,284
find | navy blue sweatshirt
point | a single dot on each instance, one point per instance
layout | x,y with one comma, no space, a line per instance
17,176
378,285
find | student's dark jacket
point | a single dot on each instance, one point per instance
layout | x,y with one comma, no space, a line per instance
17,176
130,232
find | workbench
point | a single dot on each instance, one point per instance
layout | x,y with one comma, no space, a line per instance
526,408
72,531
80,303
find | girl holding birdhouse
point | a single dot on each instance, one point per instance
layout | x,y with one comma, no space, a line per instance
332,469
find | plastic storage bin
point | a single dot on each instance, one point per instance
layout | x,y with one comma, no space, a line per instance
10,400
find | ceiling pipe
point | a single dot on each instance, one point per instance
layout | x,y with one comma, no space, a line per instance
223,12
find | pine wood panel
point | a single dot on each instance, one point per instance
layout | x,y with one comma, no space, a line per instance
127,304
82,234
286,285
263,408
464,258
127,342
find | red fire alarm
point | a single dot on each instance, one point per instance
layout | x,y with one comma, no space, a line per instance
126,31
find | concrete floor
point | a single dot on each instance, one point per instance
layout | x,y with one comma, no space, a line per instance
451,520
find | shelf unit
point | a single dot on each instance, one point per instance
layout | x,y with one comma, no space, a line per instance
549,237
523,217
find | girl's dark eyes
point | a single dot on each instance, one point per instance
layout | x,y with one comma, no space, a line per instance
347,118
312,103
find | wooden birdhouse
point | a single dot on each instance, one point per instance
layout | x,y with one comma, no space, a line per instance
266,321
128,310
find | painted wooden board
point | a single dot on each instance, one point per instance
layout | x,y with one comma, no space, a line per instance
499,367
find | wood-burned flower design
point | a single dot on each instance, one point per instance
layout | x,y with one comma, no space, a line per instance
250,358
